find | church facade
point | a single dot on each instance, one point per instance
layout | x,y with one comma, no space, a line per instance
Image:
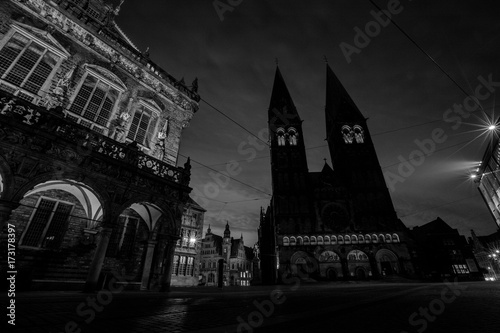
89,137
338,223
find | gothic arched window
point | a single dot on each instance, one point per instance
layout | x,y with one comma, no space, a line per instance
359,135
280,134
347,134
292,136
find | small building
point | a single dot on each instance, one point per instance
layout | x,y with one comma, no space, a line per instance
237,259
185,270
442,253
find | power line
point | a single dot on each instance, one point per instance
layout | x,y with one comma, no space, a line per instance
438,206
426,54
234,121
236,180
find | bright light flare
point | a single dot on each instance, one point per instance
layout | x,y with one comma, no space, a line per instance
492,127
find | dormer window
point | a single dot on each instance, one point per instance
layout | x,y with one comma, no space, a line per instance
96,98
280,134
292,136
29,58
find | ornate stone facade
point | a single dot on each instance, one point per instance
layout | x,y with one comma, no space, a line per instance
89,137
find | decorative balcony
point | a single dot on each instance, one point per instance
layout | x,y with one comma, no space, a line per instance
49,131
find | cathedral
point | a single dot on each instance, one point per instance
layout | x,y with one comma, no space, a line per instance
90,129
338,223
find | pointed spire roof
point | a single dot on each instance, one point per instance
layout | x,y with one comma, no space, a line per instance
281,101
339,105
227,232
326,168
209,231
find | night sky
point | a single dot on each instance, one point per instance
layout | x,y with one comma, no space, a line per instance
404,95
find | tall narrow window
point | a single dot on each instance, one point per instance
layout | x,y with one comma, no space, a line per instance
96,98
48,224
123,237
143,125
182,266
27,62
175,266
190,266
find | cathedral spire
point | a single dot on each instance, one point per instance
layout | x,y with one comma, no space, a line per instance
227,232
281,108
339,105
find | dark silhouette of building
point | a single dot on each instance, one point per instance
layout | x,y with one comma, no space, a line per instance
89,136
340,222
442,253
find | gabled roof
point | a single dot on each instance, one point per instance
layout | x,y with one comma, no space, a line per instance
42,36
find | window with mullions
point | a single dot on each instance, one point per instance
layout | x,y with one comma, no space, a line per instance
95,102
48,224
190,266
143,126
25,66
123,237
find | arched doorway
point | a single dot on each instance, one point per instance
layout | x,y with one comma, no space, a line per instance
387,262
360,273
331,274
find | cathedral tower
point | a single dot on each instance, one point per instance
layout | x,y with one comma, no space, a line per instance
355,161
291,200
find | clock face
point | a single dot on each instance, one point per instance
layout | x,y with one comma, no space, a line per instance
335,216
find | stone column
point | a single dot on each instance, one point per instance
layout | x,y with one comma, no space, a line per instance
96,265
147,264
167,264
6,208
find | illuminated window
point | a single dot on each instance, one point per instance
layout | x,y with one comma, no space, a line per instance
347,134
28,59
190,266
182,266
388,238
320,240
306,240
286,241
382,238
368,239
329,256
48,224
359,135
292,136
357,255
175,265
313,240
96,98
292,241
354,239
347,239
280,134
143,126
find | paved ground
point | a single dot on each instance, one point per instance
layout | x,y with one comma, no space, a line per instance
336,307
